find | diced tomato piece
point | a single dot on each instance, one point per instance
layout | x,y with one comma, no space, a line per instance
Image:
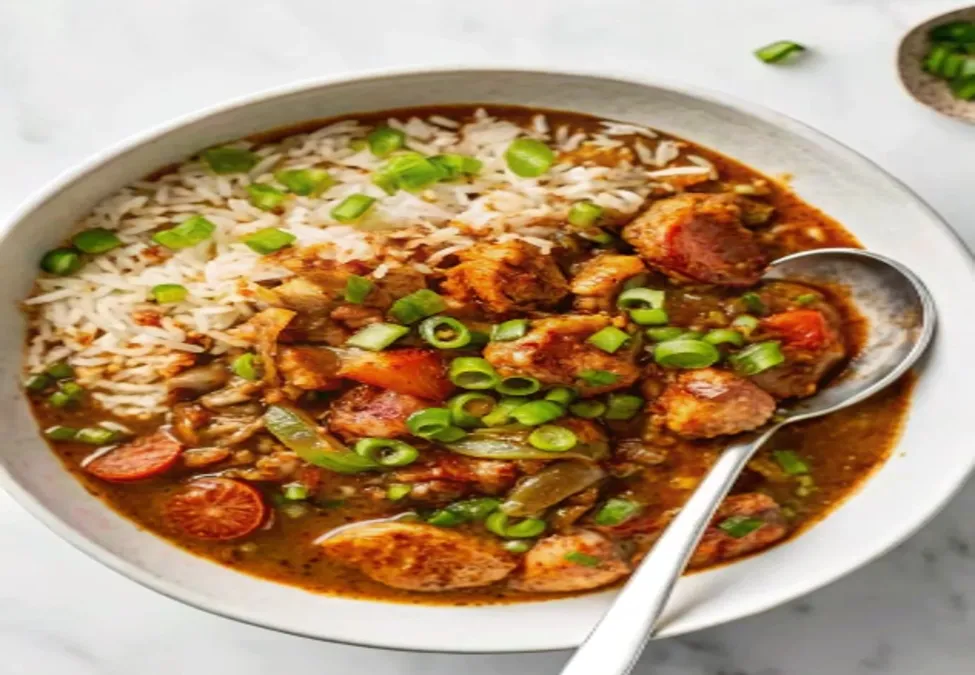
413,371
804,329
144,457
217,508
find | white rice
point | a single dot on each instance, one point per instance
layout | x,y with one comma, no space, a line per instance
103,321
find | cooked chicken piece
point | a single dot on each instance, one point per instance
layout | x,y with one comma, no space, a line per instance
578,561
599,280
419,557
483,475
263,330
710,402
812,346
395,284
355,317
304,296
238,391
309,368
555,351
371,412
411,371
187,420
437,492
697,238
513,276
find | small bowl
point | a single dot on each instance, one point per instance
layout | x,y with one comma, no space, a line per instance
922,86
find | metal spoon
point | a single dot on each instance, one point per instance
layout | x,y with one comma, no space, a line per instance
901,319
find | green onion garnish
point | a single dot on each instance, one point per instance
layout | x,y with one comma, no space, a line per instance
448,435
501,414
247,366
269,240
377,336
96,240
409,171
457,165
229,160
518,385
385,141
96,435
265,197
589,409
745,324
425,423
476,509
964,87
509,330
61,370
777,51
641,298
649,317
386,451
598,378
616,511
757,358
444,518
790,462
664,334
552,438
38,382
295,492
609,339
61,433
190,232
583,559
444,332
561,395
724,336
585,214
357,289
473,372
517,546
740,526
529,158
685,353
622,406
61,261
753,303
352,208
806,299
499,523
398,491
305,182
467,410
417,305
166,294
534,413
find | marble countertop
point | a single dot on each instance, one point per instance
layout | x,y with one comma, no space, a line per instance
77,76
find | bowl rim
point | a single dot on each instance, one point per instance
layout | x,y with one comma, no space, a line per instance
94,550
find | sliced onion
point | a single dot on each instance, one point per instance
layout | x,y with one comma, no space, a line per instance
550,486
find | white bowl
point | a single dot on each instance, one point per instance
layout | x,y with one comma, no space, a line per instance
931,461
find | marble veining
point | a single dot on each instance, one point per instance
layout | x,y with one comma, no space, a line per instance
75,77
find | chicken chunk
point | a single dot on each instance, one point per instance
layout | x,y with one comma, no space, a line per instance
812,346
555,351
697,238
309,368
411,371
599,280
710,402
577,561
419,557
513,276
370,412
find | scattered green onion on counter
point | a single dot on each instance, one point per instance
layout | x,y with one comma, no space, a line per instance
778,51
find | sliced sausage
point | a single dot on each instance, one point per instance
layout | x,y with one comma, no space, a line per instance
309,368
144,457
710,402
578,561
366,411
216,508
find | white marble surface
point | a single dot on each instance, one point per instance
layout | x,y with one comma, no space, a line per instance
76,76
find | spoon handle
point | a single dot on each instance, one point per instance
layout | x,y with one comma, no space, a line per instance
618,639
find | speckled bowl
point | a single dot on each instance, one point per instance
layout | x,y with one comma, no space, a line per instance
922,86
931,461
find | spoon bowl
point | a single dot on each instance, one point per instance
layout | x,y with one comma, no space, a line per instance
900,314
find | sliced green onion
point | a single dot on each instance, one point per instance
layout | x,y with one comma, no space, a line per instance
583,559
964,87
757,358
553,438
229,160
357,289
166,294
247,366
724,336
398,491
597,236
68,394
417,305
622,406
473,372
385,141
649,317
479,339
777,51
790,462
509,330
589,409
38,382
444,518
807,485
352,208
474,509
745,323
377,336
806,299
534,413
616,511
61,433
561,395
598,378
386,451
305,182
753,303
518,385
959,32
684,353
265,197
517,546
96,240
501,414
61,370
444,332
190,232
295,492
61,261
664,334
426,423
609,339
409,171
468,409
641,298
457,165
740,526
448,435
96,435
499,523
691,335
585,214
529,158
